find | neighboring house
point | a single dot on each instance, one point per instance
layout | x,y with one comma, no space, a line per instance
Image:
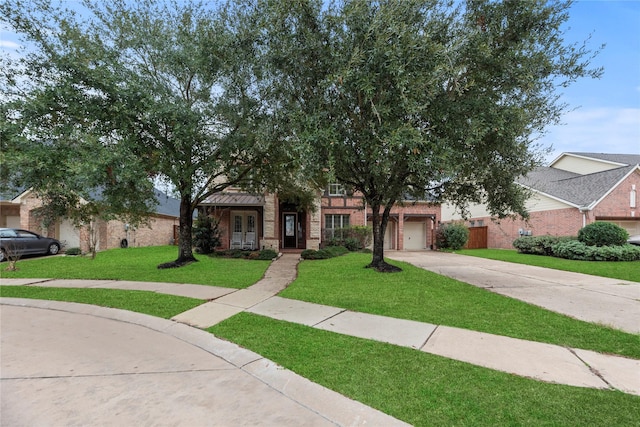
264,221
576,189
19,212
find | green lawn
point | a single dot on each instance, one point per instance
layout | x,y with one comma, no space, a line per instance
421,295
417,387
625,270
140,264
424,389
159,305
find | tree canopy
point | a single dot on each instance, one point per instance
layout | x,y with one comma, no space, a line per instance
429,100
130,91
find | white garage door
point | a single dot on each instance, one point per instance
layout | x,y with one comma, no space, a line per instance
69,235
415,236
632,227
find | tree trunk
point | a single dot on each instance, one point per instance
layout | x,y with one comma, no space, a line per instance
379,228
185,253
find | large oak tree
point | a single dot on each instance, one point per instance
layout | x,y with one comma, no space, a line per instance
431,99
133,91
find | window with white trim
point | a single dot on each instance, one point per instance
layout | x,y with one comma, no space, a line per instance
336,189
333,224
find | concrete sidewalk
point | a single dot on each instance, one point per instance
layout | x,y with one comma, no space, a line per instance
536,360
76,364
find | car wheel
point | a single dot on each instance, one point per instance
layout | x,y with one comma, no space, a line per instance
3,256
54,248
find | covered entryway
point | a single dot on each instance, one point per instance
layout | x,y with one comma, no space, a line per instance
243,225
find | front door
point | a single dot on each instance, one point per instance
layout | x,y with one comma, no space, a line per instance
243,230
289,230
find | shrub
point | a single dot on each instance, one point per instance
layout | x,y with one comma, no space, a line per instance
538,245
328,252
267,254
206,234
452,236
73,251
577,250
603,234
354,238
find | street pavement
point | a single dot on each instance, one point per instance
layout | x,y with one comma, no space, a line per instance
72,364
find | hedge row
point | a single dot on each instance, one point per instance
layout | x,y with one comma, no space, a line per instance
570,248
328,252
265,254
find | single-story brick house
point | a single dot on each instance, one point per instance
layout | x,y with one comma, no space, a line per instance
19,212
264,221
576,189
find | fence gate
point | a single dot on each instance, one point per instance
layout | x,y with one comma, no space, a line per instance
477,238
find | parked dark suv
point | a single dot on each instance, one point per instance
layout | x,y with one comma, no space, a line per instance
17,242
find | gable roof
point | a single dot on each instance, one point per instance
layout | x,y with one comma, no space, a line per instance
620,159
581,190
166,205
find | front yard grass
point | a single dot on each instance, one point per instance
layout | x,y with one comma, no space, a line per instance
424,389
140,264
623,270
151,303
421,295
417,387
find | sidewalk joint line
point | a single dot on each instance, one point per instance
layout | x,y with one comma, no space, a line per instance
330,317
429,337
591,369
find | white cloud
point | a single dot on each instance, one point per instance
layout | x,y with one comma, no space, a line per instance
596,130
6,44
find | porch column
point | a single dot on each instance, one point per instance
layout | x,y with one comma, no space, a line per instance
270,222
313,235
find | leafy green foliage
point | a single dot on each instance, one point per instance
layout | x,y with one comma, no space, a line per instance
264,254
602,233
324,253
133,91
538,245
580,251
452,236
419,98
206,234
354,238
623,270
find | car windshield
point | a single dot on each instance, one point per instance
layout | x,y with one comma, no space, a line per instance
7,233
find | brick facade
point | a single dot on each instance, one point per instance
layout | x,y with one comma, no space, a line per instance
615,206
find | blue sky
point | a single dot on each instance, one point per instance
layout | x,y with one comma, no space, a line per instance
605,113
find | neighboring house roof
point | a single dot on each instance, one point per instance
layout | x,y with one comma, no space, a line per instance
233,199
166,205
622,159
581,190
578,190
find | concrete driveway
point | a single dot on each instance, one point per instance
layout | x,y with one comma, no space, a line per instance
611,302
74,364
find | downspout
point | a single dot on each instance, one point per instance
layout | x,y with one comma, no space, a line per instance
584,211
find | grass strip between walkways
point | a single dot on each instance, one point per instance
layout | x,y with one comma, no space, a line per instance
141,264
421,295
420,388
158,305
623,270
